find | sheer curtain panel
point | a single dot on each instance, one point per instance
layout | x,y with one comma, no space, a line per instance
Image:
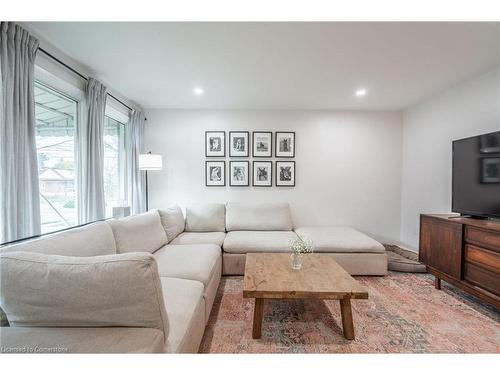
91,154
19,199
134,135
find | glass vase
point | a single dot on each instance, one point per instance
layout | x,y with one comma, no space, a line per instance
296,261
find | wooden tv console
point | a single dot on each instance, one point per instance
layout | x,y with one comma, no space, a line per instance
464,252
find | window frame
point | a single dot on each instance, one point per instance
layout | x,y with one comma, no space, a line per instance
122,158
56,91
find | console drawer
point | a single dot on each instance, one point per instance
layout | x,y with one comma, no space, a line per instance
484,258
486,238
482,277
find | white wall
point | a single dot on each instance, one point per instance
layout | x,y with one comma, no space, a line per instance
348,164
468,109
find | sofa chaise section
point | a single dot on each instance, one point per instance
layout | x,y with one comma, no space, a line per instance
356,252
254,228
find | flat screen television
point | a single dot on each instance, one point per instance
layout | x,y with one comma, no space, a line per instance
476,176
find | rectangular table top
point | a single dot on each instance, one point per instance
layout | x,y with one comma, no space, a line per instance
270,275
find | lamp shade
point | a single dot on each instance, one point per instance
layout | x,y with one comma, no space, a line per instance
150,162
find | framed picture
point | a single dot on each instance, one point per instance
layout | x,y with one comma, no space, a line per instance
285,144
262,144
238,173
215,173
215,144
285,173
238,144
262,173
489,143
490,170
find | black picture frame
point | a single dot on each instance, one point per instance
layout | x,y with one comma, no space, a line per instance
277,173
231,172
223,177
489,143
270,163
490,170
277,151
230,143
223,144
270,153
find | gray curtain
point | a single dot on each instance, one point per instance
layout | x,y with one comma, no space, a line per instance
19,191
135,180
91,202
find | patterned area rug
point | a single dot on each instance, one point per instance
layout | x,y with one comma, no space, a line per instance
404,314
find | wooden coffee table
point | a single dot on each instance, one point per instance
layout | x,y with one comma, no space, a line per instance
270,276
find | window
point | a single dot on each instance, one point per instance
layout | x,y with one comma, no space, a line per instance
56,116
114,164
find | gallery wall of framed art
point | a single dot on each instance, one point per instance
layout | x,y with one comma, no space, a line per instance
241,171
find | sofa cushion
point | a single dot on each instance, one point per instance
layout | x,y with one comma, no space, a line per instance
241,242
172,220
106,291
340,240
89,240
82,340
186,314
191,238
142,232
194,262
261,216
205,218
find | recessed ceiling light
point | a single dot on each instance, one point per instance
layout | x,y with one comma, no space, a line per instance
198,91
360,93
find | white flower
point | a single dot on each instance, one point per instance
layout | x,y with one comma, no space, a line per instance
301,245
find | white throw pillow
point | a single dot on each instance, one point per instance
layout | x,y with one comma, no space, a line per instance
206,218
172,221
142,232
122,290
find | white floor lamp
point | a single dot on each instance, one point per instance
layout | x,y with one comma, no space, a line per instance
149,162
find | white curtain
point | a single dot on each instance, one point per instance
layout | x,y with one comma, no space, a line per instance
91,204
135,180
19,191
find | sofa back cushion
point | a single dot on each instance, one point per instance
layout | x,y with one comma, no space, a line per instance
89,240
142,232
206,218
121,290
172,221
260,216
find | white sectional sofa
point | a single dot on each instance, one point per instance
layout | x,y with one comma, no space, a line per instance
177,261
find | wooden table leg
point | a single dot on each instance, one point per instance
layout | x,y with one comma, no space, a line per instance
437,282
347,324
257,318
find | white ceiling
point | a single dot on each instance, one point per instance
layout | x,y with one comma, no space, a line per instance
278,65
